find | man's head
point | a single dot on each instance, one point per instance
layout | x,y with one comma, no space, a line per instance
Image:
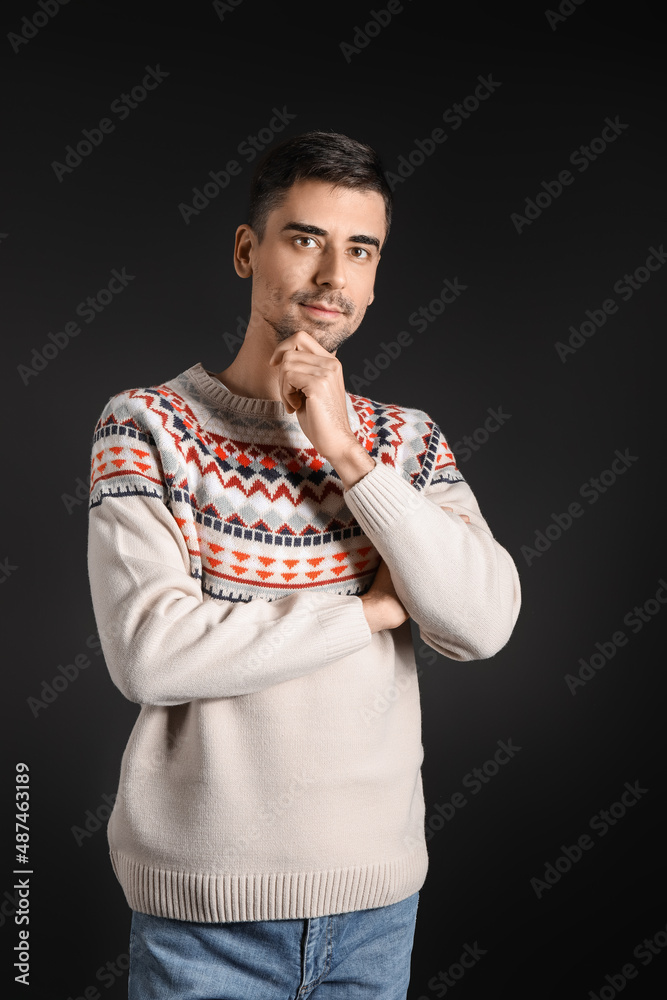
320,210
322,156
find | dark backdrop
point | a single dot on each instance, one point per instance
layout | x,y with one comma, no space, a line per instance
563,416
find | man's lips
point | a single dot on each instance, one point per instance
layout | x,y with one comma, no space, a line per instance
321,310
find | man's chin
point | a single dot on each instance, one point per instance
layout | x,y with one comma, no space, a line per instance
329,339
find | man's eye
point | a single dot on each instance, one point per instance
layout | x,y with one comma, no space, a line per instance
359,252
299,238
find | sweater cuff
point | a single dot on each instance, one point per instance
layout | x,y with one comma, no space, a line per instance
345,629
380,498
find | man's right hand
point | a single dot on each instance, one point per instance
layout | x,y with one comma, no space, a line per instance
381,604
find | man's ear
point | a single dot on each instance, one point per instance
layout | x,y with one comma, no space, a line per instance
243,246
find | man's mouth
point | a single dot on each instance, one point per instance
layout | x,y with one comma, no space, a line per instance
321,310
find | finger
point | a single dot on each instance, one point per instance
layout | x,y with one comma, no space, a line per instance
302,375
464,516
298,382
291,396
304,360
299,341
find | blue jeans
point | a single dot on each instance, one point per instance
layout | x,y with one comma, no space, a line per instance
362,955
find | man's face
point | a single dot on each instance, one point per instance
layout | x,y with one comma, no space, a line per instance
315,268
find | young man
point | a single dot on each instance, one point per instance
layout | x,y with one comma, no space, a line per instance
258,540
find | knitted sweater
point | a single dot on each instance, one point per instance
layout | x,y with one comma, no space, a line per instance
226,564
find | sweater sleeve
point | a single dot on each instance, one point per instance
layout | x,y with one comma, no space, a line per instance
458,584
164,644
165,640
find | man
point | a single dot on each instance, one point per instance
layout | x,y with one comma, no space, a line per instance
258,540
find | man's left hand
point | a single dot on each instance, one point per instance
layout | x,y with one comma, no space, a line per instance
311,383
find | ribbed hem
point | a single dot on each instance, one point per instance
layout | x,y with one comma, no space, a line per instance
276,896
380,498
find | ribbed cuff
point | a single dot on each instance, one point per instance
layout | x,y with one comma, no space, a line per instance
381,498
345,629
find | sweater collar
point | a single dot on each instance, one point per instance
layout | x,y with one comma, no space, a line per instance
223,398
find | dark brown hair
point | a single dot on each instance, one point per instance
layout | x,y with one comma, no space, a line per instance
326,156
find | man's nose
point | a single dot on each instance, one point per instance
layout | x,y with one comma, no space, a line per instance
331,269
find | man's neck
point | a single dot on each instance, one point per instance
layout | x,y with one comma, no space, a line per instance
250,374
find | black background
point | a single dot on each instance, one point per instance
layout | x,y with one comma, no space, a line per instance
493,347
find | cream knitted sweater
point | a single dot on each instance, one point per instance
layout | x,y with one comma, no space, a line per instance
226,563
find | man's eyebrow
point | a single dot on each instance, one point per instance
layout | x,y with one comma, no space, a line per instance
304,227
370,240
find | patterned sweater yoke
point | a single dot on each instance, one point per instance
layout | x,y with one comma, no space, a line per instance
262,513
